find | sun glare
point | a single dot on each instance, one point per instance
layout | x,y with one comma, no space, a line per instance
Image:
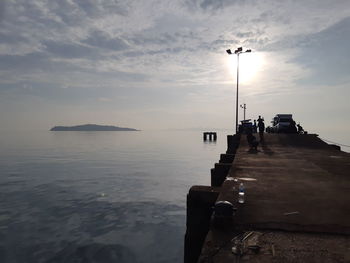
249,66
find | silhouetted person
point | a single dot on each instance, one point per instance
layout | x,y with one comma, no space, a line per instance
240,129
253,143
261,126
300,129
255,129
292,128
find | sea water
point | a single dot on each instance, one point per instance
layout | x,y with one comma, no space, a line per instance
99,196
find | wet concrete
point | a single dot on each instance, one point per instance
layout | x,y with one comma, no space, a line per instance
297,187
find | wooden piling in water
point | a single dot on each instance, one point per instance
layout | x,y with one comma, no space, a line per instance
211,135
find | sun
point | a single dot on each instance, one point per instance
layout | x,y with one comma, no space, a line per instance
250,65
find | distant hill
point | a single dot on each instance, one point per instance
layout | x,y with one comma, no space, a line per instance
91,127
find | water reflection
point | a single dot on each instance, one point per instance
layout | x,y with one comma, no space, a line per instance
99,197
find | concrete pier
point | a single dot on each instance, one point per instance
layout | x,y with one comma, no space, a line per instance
297,196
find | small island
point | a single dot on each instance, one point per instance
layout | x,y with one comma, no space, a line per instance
91,127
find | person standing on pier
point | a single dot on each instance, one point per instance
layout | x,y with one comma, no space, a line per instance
261,126
300,129
255,129
292,128
253,143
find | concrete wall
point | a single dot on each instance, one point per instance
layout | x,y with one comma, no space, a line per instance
201,199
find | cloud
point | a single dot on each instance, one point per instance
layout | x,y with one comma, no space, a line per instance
101,39
95,9
103,99
2,10
327,54
70,50
26,62
146,55
213,5
153,39
9,38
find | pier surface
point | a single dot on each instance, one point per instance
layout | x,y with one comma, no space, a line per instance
297,204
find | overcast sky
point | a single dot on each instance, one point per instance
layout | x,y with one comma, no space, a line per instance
162,64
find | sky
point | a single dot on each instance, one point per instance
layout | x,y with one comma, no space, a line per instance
159,64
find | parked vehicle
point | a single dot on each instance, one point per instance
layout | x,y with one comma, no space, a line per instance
245,126
283,123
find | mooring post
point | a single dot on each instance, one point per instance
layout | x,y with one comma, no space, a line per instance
219,173
200,201
226,158
232,143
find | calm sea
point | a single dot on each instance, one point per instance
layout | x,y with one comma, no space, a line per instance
99,196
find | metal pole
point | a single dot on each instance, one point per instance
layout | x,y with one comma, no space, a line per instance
237,93
244,107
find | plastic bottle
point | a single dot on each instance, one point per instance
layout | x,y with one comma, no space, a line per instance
241,194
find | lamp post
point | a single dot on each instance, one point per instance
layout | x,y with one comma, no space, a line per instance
237,52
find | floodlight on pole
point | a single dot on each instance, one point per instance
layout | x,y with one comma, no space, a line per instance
237,52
